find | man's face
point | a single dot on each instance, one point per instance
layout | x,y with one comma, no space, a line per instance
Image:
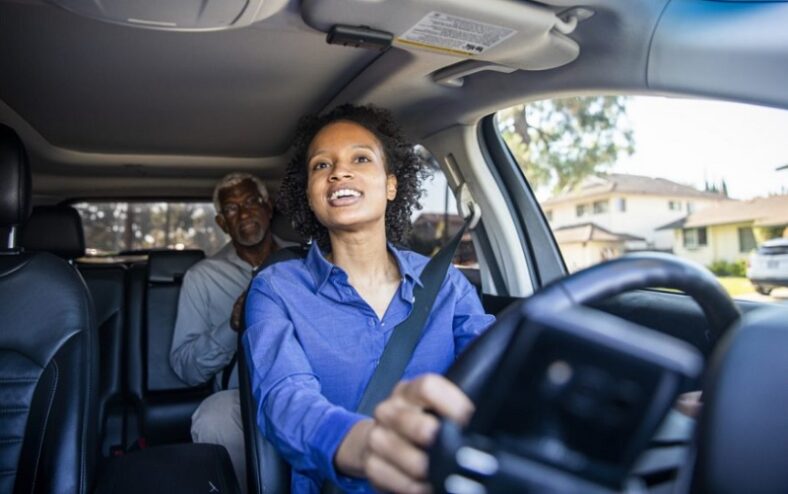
244,215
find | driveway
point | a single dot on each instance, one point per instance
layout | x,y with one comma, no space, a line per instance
779,295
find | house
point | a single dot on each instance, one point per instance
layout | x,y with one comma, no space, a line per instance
629,205
588,244
609,215
729,231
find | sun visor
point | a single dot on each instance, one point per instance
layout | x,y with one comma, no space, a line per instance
176,15
518,35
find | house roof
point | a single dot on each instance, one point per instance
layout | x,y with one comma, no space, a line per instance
761,211
589,232
599,185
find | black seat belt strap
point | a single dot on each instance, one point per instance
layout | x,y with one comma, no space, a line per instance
407,334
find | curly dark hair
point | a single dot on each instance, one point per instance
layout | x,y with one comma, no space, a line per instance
400,159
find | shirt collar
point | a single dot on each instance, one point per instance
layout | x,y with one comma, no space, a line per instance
228,253
318,266
321,269
405,268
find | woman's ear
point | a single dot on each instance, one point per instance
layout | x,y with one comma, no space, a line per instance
391,187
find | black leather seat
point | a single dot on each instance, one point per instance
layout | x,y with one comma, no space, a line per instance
266,471
48,375
58,230
164,403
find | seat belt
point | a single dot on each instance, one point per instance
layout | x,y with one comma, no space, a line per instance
399,349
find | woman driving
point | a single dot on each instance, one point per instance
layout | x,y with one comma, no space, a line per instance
317,326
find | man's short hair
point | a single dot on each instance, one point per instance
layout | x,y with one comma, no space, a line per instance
233,179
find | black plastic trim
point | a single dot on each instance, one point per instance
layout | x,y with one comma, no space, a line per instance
491,263
543,256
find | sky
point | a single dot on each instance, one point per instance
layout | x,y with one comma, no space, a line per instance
692,141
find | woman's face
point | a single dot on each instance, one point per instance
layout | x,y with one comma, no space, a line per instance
348,187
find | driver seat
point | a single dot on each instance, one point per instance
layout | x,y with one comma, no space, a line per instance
266,471
48,351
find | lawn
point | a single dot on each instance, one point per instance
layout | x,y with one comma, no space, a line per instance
736,285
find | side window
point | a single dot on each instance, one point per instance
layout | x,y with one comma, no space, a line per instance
126,228
438,220
704,180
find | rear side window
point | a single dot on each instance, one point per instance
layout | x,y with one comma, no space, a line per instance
128,228
438,221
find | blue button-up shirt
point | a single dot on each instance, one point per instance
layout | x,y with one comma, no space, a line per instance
313,344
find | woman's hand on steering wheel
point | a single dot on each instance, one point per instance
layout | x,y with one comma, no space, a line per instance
405,425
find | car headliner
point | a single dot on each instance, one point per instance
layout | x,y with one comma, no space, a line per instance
113,110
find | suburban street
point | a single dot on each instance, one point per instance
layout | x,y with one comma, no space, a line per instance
779,295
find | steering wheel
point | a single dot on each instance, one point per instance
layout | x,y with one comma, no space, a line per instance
498,351
471,371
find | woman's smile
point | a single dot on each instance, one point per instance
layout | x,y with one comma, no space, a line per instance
348,183
344,196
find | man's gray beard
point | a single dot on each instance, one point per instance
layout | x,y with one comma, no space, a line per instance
254,241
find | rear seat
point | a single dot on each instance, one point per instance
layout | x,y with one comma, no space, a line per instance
58,230
140,397
164,404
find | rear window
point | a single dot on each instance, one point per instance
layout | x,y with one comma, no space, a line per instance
128,228
773,250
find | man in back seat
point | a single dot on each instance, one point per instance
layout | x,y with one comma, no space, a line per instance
204,341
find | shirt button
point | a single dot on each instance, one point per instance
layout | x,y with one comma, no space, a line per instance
348,291
370,322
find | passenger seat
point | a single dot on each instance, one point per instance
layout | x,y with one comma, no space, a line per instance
47,353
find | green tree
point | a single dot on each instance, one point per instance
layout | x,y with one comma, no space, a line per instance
560,142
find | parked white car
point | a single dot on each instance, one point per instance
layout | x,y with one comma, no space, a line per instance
768,267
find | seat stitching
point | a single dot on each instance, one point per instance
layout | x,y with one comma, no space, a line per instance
86,412
46,420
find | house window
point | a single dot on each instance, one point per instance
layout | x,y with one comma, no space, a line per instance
600,207
621,204
549,214
581,210
674,205
690,207
694,237
746,239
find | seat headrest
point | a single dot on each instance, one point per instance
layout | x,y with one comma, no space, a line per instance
15,180
54,229
282,228
169,266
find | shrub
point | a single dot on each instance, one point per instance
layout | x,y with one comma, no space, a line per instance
729,268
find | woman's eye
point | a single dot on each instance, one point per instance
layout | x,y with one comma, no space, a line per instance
320,165
362,159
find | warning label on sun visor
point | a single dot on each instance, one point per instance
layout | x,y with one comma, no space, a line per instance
453,34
